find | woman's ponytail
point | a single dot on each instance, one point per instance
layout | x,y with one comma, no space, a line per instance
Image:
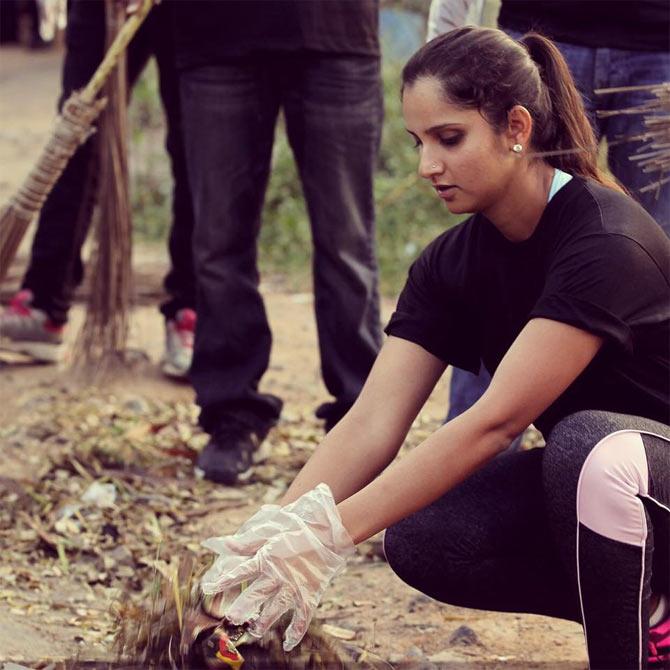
565,133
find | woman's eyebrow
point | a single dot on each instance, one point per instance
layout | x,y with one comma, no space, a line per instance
444,126
438,129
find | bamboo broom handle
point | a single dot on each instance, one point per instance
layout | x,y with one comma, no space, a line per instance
130,27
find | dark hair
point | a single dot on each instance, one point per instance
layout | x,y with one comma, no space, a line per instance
484,69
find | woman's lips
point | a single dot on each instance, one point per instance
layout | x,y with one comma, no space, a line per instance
446,191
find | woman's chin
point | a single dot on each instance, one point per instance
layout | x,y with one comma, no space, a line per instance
456,207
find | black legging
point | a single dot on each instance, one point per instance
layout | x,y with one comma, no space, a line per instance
577,530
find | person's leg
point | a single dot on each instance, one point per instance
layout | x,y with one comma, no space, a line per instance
486,543
229,113
607,482
465,389
634,68
179,307
333,108
55,267
180,280
33,322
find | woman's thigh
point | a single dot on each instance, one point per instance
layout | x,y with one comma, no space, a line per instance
485,544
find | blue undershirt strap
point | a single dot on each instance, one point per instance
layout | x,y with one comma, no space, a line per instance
558,182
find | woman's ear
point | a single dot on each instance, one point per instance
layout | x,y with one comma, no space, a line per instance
519,126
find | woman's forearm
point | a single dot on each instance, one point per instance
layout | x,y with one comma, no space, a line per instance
350,456
441,462
367,439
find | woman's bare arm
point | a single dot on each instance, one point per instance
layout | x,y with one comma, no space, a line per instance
544,360
367,439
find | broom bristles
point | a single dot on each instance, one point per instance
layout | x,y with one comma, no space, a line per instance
653,157
101,343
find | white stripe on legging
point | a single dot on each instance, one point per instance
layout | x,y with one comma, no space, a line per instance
658,504
610,522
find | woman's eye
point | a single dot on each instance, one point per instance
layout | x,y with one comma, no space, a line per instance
417,144
450,141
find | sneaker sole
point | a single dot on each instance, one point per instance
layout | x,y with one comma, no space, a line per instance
261,455
173,372
42,352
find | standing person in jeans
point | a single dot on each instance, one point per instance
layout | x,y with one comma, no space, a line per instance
240,64
606,45
35,319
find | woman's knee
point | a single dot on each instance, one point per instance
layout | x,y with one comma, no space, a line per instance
611,481
594,470
433,566
568,446
400,548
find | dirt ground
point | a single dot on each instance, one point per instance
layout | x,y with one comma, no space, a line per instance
61,615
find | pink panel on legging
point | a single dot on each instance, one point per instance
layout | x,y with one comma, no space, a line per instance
612,477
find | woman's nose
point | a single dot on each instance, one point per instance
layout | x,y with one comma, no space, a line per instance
429,167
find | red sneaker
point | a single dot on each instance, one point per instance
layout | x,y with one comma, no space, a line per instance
659,644
30,331
179,335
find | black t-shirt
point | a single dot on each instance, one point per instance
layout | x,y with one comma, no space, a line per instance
631,25
210,31
596,260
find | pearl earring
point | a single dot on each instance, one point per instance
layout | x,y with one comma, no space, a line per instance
517,148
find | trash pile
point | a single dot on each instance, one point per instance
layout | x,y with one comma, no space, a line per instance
112,506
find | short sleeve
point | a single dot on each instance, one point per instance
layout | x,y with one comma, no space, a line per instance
604,284
432,313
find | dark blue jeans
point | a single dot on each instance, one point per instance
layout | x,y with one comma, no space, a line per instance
592,69
332,106
609,68
55,267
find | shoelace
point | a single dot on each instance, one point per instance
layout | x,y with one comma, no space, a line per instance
19,304
186,337
184,328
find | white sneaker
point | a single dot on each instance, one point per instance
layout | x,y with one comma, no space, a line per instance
179,335
30,331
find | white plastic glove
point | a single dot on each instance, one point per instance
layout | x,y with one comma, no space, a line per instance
265,524
294,552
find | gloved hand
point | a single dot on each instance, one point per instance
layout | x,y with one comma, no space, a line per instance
316,508
293,554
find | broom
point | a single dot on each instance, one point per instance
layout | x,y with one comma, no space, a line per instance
73,127
653,157
100,344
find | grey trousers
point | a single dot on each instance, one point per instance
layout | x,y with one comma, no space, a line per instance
577,530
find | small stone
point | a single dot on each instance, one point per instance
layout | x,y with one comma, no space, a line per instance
337,632
464,636
414,652
136,405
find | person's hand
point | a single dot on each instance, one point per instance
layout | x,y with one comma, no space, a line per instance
292,555
131,6
232,551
